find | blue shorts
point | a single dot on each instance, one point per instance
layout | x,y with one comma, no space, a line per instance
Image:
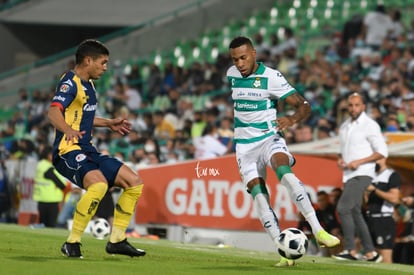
76,164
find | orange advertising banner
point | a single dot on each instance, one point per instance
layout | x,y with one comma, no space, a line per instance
209,193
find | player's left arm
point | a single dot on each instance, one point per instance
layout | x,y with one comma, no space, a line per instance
302,111
120,125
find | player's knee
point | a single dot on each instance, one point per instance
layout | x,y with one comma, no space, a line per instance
99,188
282,170
254,182
259,189
255,186
134,191
135,181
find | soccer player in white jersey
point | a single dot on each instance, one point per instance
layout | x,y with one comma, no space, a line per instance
255,90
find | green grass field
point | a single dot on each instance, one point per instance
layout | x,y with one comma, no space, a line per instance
37,251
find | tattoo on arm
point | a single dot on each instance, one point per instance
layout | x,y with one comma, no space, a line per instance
302,107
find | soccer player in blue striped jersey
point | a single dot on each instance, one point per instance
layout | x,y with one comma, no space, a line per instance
259,143
72,113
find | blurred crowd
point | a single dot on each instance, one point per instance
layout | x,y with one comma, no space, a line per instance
183,109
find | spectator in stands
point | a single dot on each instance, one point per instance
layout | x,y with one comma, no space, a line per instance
132,98
214,79
408,201
361,145
403,251
380,197
151,145
410,123
118,75
225,132
24,100
398,27
137,158
134,77
322,132
208,145
377,25
302,133
260,44
289,43
334,196
274,46
184,112
154,82
198,124
116,98
196,79
163,128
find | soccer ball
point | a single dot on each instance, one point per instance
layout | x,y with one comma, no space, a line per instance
292,243
100,228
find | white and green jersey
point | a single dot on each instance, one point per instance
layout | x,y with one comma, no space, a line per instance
255,101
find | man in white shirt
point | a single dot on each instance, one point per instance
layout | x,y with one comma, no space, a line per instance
208,145
377,25
362,144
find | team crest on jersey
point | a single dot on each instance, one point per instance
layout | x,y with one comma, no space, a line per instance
80,157
64,88
257,83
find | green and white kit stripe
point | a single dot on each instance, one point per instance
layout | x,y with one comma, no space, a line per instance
255,101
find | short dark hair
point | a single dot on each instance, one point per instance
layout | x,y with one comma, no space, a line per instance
208,129
92,48
44,153
239,41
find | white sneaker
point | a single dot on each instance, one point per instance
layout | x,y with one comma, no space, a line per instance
377,258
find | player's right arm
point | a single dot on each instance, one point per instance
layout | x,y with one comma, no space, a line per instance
57,119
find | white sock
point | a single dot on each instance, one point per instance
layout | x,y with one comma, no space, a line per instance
300,198
267,216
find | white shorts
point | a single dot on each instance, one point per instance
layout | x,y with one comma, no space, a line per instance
252,158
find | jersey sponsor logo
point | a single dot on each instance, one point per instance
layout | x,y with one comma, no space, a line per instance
247,106
64,88
89,108
80,157
254,94
240,93
257,83
68,82
59,98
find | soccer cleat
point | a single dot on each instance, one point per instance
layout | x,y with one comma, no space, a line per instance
344,255
327,240
71,250
285,262
124,248
377,258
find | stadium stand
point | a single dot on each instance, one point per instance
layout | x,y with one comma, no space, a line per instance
314,23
